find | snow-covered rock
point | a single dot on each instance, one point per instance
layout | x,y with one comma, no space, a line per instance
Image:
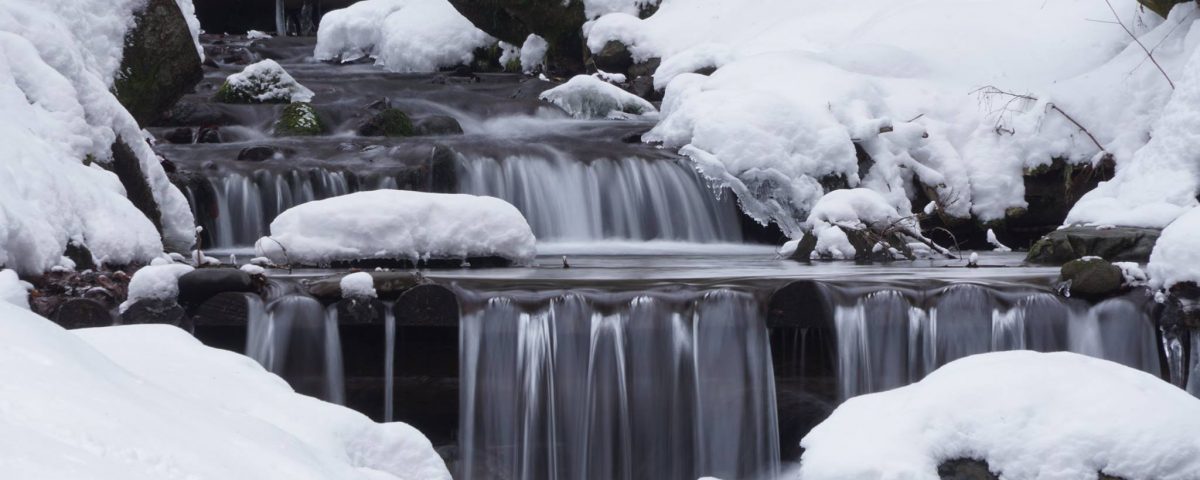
855,210
1029,415
533,53
1176,255
394,224
155,282
149,402
401,35
263,82
12,289
585,96
358,284
799,83
58,59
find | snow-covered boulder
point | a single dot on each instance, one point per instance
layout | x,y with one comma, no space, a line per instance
856,223
161,60
401,35
1176,256
299,119
1028,415
358,285
586,96
398,226
158,283
149,402
263,82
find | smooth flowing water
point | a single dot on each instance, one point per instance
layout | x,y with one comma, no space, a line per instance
297,338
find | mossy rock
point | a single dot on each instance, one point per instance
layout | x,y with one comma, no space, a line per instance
389,122
1092,277
299,119
159,64
1120,244
228,94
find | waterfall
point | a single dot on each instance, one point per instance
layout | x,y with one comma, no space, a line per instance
389,361
597,386
297,338
280,18
1193,384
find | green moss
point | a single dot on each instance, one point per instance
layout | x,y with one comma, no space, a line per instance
389,122
299,119
254,90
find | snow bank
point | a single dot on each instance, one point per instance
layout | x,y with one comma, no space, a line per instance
150,402
13,290
801,82
155,282
57,63
585,96
1176,255
401,35
265,82
1029,415
394,224
359,284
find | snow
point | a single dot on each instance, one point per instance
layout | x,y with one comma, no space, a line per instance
13,290
533,53
258,35
148,402
1029,415
393,224
800,82
596,8
155,282
995,242
267,82
1176,255
1132,273
401,35
193,23
58,59
585,96
359,284
853,209
253,269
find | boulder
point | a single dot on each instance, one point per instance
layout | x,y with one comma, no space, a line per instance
189,114
360,311
438,125
614,57
156,312
160,62
1120,244
179,136
558,22
222,309
258,153
427,305
965,469
531,89
82,313
1161,7
1092,277
128,168
209,134
388,285
388,122
203,283
299,119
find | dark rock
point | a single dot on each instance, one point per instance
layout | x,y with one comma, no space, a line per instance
443,170
388,285
614,57
643,86
203,283
188,114
1050,192
82,313
1121,244
427,305
1092,277
299,119
223,309
965,469
438,125
81,256
632,137
156,312
513,20
209,135
359,311
179,136
805,248
531,89
160,62
1183,307
389,122
257,154
129,170
1161,7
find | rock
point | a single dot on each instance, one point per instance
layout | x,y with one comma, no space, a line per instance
1092,277
965,469
188,114
203,283
614,57
81,256
643,86
360,311
531,89
299,119
1120,244
156,312
805,248
1161,7
389,122
209,135
443,170
223,309
179,136
258,153
160,62
1183,308
129,170
558,22
388,285
438,125
82,313
427,305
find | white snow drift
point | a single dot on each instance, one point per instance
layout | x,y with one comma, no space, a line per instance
149,402
1029,415
800,82
586,96
13,290
1176,255
401,35
57,63
394,224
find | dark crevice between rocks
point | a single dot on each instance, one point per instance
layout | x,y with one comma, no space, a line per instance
128,168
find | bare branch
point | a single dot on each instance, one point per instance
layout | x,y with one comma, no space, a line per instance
1139,43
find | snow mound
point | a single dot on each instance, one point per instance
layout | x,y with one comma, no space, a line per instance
394,224
150,402
57,63
359,284
264,82
958,98
533,53
1029,415
1176,254
585,96
13,290
155,282
401,35
853,209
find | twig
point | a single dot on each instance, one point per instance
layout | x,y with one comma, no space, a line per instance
1139,43
992,90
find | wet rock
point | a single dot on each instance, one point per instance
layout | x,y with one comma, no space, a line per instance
443,170
427,305
128,169
804,249
389,122
1183,307
201,284
299,119
1092,277
614,57
531,89
185,114
179,136
360,311
388,285
82,313
965,469
1161,7
1120,244
209,135
222,309
258,153
643,86
81,256
513,20
438,125
632,137
160,62
156,312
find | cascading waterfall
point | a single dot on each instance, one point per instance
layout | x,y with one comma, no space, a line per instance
389,361
585,385
246,204
887,339
631,198
297,338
